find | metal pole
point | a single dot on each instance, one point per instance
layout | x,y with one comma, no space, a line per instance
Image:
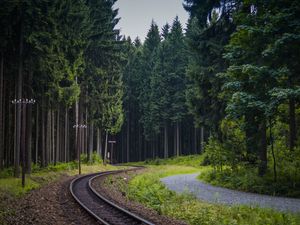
23,103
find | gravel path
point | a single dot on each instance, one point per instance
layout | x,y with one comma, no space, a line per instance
189,183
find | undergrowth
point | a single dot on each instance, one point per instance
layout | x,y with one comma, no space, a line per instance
148,190
246,179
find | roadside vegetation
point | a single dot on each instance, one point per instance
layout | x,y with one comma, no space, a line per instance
147,189
11,186
231,167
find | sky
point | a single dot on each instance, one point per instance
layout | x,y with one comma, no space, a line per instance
136,15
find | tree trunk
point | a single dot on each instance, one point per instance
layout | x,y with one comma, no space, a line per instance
19,96
1,113
166,143
273,153
85,134
177,139
140,143
53,134
263,149
57,136
23,145
29,139
29,127
99,142
105,150
37,135
76,119
79,149
127,140
292,124
43,161
91,140
48,138
195,141
202,139
66,135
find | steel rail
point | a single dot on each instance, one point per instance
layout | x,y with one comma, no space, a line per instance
102,198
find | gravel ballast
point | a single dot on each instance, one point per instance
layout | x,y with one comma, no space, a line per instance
189,183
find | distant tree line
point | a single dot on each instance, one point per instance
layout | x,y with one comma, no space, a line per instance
234,74
157,122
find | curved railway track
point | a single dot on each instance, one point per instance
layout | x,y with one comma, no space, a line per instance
99,207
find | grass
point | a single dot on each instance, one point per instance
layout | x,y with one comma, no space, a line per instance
11,188
148,190
190,160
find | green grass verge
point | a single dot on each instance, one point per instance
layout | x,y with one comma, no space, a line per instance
148,190
190,160
39,177
11,188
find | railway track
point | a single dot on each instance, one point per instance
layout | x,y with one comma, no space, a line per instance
99,207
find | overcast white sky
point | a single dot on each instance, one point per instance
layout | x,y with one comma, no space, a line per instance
136,15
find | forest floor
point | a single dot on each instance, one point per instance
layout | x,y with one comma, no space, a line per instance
210,193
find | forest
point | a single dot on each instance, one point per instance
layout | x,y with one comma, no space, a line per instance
220,96
228,85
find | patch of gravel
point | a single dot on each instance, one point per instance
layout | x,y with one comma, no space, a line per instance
49,205
189,183
109,187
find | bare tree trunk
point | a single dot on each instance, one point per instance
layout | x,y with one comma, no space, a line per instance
202,139
48,138
127,140
174,144
166,143
23,145
44,153
79,150
263,149
29,127
99,142
85,131
292,124
57,136
37,135
53,134
195,140
76,119
19,107
105,150
91,140
1,113
272,150
66,134
177,139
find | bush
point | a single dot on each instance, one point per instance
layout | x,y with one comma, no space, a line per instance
94,159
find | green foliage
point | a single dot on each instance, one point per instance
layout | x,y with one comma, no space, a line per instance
190,160
94,159
231,151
